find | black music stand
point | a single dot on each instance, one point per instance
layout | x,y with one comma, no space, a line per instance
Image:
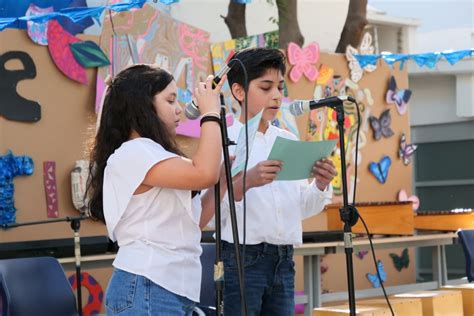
75,226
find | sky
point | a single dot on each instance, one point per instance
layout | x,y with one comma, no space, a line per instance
434,14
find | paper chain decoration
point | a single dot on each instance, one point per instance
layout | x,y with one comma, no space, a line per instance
426,59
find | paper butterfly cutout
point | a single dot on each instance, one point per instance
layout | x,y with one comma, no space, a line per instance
365,48
381,126
58,46
402,261
325,74
323,268
361,254
380,169
399,97
37,30
406,150
403,196
374,279
303,61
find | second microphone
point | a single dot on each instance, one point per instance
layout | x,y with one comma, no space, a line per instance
191,110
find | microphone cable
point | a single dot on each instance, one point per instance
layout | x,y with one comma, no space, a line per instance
244,178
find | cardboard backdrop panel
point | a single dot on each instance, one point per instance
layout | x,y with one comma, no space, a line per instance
67,111
373,86
370,92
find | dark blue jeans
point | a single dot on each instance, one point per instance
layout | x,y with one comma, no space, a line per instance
269,280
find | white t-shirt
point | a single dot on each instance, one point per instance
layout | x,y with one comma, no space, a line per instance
158,230
275,210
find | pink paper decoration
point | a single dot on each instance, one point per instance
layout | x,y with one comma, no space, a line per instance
58,45
403,196
303,61
49,177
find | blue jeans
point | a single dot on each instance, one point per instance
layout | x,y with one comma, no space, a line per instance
269,280
135,295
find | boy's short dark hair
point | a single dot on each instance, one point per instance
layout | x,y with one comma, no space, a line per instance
256,61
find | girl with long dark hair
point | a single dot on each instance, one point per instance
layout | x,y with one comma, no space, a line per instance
141,187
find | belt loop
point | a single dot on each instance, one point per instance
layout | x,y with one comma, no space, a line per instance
265,247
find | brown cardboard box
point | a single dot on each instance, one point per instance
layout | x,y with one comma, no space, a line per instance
343,310
467,291
400,306
438,303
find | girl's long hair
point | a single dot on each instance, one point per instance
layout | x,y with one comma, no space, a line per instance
128,106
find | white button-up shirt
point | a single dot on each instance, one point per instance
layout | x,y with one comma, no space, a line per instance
158,230
275,210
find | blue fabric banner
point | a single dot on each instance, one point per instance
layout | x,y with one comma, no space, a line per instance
75,14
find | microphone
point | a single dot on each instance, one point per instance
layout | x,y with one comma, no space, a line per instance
191,110
299,107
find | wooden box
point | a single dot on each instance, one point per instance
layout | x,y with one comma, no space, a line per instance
445,222
400,306
385,218
344,311
438,303
467,291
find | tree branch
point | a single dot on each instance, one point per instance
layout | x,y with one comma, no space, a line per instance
289,30
235,20
354,26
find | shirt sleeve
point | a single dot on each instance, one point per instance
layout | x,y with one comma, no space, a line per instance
313,199
124,173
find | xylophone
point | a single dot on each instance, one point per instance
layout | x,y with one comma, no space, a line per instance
451,220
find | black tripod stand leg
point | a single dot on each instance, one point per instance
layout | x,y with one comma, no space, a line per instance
348,214
218,264
230,191
76,225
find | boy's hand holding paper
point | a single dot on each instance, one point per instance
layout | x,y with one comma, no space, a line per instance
323,172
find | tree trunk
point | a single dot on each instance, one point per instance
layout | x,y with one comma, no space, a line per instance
235,20
289,30
355,23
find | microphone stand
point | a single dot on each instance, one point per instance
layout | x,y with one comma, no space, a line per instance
219,266
348,213
75,226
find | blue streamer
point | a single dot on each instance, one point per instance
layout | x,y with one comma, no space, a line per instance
78,13
10,167
423,60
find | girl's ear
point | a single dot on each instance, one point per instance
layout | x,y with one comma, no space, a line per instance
238,92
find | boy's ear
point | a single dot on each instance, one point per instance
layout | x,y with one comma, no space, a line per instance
238,92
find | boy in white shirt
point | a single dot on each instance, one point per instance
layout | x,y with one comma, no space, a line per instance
275,209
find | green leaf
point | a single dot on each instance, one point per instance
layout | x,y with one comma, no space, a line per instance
88,54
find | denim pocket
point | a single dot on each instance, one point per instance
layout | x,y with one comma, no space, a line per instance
121,291
229,258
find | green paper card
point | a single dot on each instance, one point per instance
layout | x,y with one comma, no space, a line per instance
298,157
